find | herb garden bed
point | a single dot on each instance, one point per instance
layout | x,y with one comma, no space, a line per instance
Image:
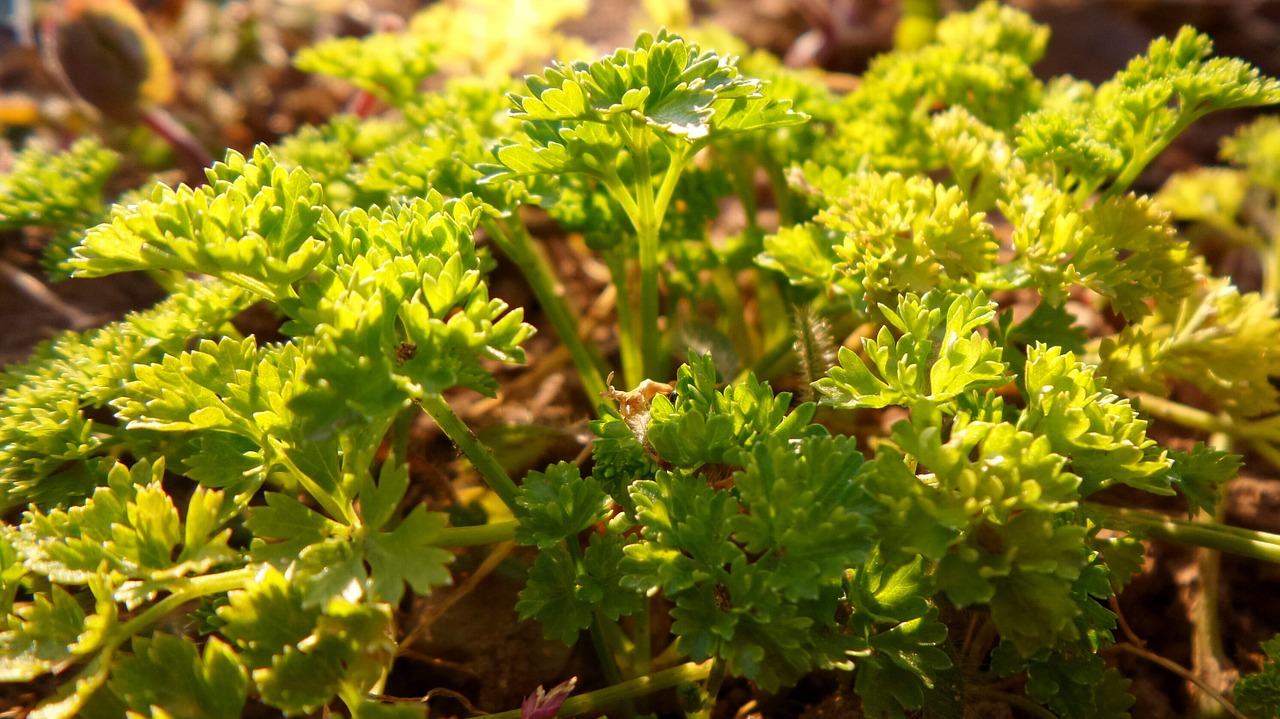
906,396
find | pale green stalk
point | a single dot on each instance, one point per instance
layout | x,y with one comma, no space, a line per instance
181,593
1244,542
646,208
628,336
478,535
1139,163
1267,430
646,223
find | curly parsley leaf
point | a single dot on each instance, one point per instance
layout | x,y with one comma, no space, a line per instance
389,65
56,189
129,528
1216,338
1099,431
408,555
558,504
170,674
252,225
938,356
301,656
899,656
1259,694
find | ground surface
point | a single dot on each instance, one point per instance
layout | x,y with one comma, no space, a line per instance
468,640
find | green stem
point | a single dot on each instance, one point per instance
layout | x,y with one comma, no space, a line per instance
182,593
1266,450
481,458
711,689
630,333
518,245
1266,430
1140,162
625,691
628,337
619,192
1244,542
480,534
647,224
679,158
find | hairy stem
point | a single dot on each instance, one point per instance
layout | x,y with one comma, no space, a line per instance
481,458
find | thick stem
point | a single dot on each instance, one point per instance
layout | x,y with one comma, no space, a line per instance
628,336
490,533
1265,429
481,458
625,691
516,243
711,690
1244,542
646,223
679,158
